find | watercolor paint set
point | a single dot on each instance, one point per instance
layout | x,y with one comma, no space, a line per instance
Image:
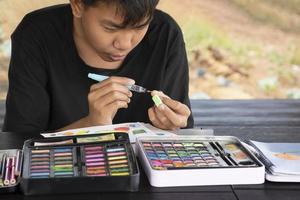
198,160
93,163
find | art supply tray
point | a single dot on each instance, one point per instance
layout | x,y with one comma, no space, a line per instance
93,163
10,169
198,160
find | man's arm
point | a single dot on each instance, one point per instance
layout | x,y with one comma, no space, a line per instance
176,81
175,111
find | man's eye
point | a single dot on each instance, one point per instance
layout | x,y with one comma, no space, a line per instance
140,27
110,29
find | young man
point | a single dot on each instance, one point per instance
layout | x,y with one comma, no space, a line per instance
54,49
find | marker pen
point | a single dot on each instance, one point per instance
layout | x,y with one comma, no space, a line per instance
18,163
134,88
7,171
12,178
2,172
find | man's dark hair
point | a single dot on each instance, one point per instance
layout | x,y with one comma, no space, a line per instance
133,11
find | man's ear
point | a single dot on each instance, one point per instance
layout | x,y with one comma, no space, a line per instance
77,8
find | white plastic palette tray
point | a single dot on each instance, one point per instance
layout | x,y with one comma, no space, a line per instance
198,160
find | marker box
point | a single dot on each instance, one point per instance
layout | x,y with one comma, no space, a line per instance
10,170
198,160
74,164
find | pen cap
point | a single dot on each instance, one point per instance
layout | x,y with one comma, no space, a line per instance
97,77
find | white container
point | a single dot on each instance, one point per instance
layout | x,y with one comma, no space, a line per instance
221,174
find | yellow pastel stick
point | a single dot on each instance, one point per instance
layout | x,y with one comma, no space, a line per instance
120,174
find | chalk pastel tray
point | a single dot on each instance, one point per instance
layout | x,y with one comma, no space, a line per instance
198,160
13,186
54,165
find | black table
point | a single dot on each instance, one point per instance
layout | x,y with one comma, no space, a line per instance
262,120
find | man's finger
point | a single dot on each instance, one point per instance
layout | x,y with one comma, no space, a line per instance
154,120
163,118
176,106
176,119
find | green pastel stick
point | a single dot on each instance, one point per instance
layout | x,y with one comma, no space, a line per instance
156,100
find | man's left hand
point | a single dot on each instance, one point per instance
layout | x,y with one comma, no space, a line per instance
170,115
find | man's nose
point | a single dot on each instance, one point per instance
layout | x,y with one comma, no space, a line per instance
123,41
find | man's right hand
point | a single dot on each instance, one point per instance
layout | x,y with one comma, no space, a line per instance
106,97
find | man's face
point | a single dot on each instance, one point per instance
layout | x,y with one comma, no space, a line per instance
101,29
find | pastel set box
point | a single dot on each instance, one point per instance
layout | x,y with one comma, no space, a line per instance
94,163
198,160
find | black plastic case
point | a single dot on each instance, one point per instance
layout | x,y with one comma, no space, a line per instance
79,183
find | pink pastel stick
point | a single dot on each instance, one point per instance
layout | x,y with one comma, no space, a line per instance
94,156
116,154
95,164
95,160
40,167
93,148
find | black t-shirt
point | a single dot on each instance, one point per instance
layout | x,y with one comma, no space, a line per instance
48,82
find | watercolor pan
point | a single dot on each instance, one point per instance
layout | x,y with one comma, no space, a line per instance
198,160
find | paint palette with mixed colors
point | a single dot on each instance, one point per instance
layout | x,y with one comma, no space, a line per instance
79,164
190,160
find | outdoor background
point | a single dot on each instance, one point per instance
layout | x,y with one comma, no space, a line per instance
237,49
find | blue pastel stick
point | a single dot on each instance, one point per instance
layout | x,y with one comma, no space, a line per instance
39,174
62,150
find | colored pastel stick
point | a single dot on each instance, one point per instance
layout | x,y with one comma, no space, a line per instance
64,162
40,174
39,170
115,149
116,154
63,154
63,173
45,151
119,170
120,174
95,164
157,101
117,162
95,160
62,150
93,148
117,158
95,156
62,166
39,155
40,159
62,158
